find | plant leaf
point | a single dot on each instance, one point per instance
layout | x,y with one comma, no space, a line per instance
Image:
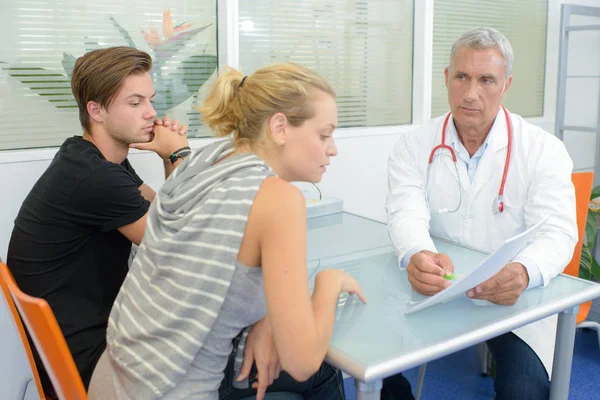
165,50
194,71
590,229
91,46
585,265
183,82
45,83
123,32
595,269
68,62
595,192
162,100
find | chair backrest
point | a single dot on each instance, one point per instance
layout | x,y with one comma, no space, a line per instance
23,336
583,182
48,339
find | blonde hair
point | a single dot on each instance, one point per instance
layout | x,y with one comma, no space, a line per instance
243,105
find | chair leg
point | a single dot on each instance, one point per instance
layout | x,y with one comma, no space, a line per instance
420,381
591,325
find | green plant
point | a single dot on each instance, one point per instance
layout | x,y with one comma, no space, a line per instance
589,267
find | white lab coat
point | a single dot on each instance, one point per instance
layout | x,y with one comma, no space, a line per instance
538,184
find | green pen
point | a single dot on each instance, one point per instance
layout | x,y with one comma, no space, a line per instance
450,277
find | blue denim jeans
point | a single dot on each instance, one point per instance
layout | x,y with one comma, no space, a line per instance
326,384
519,372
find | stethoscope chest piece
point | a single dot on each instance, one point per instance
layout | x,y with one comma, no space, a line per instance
498,205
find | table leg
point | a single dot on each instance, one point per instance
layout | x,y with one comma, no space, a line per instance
368,390
563,354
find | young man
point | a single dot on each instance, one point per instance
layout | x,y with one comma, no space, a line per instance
72,237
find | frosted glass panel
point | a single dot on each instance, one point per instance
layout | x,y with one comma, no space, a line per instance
362,47
41,40
522,22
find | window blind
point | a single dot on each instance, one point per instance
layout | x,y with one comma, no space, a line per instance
523,22
362,47
41,40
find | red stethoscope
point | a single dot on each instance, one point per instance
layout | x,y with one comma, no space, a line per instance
498,205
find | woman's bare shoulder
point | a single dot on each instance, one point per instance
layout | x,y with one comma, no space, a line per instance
280,199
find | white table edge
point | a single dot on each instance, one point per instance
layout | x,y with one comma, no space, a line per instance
390,367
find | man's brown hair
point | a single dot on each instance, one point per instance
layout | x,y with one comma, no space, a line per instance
99,74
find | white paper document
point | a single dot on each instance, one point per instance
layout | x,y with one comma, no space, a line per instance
484,271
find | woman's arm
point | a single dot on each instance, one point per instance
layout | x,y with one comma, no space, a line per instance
302,324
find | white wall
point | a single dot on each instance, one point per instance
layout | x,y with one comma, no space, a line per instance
358,175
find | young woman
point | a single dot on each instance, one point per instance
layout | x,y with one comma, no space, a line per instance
225,247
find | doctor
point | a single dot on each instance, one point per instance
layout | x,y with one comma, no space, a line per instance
478,176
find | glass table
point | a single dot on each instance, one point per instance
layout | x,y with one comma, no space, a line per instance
376,340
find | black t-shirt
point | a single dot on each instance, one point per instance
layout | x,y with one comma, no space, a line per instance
65,246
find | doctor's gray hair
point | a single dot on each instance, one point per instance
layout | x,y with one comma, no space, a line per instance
485,38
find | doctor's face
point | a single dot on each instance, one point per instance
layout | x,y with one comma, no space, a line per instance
476,86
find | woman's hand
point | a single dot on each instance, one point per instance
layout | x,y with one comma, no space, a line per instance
346,282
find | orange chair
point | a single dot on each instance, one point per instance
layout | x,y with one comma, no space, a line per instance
583,182
19,325
48,340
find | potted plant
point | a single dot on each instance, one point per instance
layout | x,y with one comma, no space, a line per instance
589,268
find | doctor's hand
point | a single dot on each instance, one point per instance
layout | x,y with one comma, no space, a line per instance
505,287
426,272
260,349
